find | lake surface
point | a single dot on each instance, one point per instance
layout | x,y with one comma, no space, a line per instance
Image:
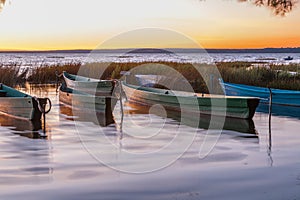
247,162
37,59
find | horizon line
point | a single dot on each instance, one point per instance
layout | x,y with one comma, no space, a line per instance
120,49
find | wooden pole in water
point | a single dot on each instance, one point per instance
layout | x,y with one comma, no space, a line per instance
270,128
56,78
270,116
42,102
211,78
121,106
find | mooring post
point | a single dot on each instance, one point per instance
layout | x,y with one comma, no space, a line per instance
211,78
42,102
270,116
270,103
121,106
44,123
56,78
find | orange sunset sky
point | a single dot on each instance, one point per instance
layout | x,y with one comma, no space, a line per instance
74,24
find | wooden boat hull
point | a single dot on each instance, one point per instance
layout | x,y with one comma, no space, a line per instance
280,97
89,85
83,103
235,107
17,104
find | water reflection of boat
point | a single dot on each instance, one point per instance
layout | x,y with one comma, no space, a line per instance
102,119
22,127
204,121
97,109
217,105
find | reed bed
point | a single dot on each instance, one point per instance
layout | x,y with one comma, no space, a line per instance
47,74
200,76
274,76
13,74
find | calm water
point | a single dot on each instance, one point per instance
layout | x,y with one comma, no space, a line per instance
37,59
244,164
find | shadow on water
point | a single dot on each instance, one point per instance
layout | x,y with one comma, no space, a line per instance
205,122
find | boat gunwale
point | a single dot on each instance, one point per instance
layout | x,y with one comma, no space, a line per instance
262,89
141,88
34,115
89,80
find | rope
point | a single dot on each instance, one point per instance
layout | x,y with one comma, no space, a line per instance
42,107
58,75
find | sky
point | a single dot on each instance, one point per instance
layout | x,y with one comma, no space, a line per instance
74,24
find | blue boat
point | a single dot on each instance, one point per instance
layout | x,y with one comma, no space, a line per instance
280,110
280,97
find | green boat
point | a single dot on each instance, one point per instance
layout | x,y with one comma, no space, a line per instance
82,103
89,85
187,102
18,104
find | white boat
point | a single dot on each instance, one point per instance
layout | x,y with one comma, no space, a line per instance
89,85
18,104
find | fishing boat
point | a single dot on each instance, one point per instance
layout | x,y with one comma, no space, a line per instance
19,105
88,85
280,97
288,58
81,102
187,102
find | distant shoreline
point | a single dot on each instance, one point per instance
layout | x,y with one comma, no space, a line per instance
174,50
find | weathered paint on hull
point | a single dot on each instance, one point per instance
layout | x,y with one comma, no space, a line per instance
88,85
17,104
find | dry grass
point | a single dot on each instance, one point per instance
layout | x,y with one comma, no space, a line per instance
12,75
198,75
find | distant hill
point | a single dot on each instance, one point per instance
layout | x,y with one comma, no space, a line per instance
150,50
167,50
